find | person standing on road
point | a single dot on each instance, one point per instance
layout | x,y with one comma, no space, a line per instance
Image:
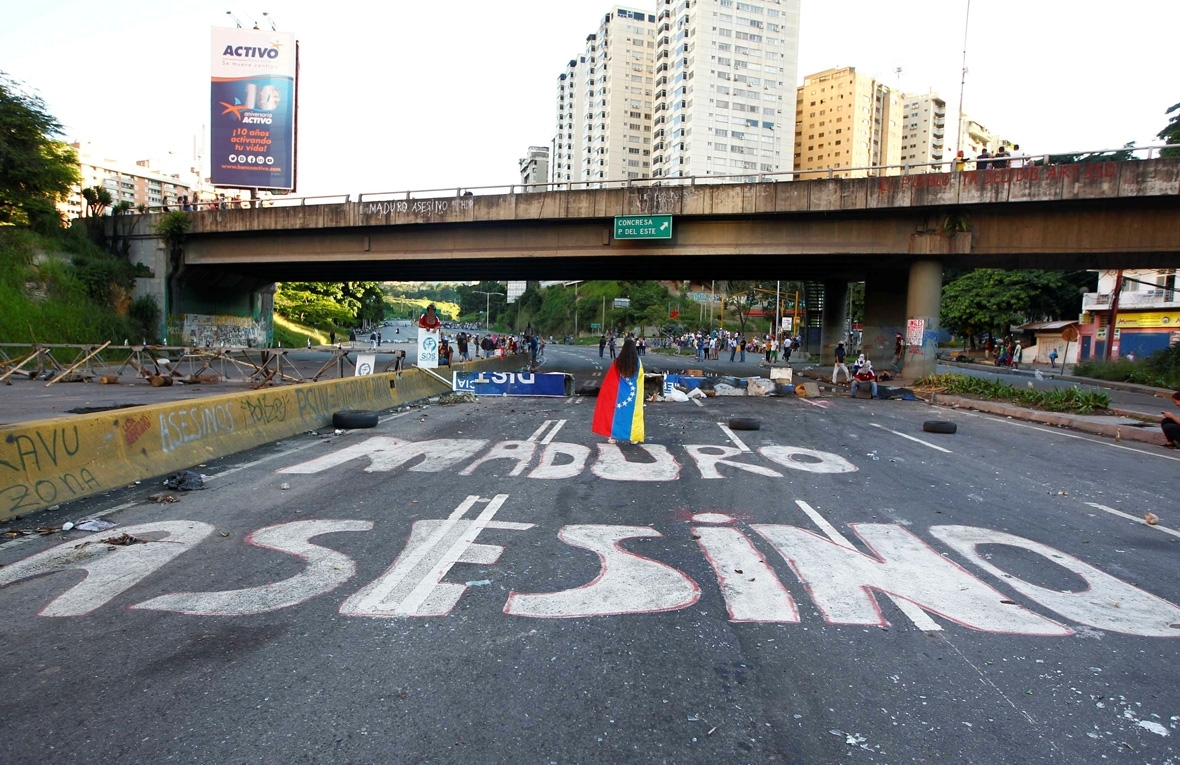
732,347
840,365
1053,358
1017,354
618,414
1170,424
372,341
865,375
742,348
611,345
601,346
461,341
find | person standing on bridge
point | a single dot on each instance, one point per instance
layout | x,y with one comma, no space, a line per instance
618,413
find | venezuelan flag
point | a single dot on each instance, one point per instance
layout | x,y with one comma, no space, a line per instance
619,411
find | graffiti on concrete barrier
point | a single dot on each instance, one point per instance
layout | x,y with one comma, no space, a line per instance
418,206
848,579
265,409
182,426
31,495
43,464
134,428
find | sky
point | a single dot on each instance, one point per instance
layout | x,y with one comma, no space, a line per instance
399,95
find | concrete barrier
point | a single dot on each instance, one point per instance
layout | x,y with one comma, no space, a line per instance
45,462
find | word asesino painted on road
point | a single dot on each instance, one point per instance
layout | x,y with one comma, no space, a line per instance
844,582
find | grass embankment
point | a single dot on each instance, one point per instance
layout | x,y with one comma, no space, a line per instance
414,307
292,335
1073,400
64,289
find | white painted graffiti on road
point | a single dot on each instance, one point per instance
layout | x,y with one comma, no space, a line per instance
647,462
845,583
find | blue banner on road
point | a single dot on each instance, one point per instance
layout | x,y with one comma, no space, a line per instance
509,383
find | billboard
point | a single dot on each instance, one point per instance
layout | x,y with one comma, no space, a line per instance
252,100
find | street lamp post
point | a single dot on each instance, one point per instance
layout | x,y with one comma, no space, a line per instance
487,316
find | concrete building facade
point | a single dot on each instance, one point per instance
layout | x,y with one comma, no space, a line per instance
923,133
845,119
138,183
534,168
725,73
604,103
1148,316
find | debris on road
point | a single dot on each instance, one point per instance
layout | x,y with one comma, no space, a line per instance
465,397
1151,518
123,540
94,524
185,480
162,498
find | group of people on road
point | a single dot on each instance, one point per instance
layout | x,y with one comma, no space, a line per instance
1007,353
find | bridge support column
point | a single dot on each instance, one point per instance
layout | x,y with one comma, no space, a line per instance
923,302
835,326
885,312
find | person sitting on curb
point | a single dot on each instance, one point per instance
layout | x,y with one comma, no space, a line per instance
1170,424
865,375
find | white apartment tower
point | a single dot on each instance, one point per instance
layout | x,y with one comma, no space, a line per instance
923,132
725,87
534,168
604,103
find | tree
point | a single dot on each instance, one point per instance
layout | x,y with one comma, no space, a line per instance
1171,132
97,200
36,169
990,300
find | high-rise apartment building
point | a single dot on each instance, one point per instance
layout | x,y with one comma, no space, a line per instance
974,138
844,119
534,168
604,103
725,73
139,183
923,133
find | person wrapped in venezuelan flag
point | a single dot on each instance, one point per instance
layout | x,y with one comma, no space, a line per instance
618,415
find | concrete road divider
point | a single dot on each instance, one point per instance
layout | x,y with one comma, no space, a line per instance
46,462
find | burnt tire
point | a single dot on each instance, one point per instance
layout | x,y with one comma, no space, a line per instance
744,423
939,426
354,419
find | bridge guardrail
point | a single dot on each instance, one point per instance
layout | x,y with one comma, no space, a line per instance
970,163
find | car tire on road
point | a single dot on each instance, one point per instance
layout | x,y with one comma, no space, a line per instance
353,419
744,423
939,426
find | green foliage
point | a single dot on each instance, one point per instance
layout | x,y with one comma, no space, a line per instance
1171,132
42,299
313,308
97,200
1074,400
172,227
1161,369
992,299
36,170
145,312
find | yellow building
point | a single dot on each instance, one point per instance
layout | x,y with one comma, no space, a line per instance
847,120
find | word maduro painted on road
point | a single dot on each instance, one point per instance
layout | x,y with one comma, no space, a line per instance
844,582
556,459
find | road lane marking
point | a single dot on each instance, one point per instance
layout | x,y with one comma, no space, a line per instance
732,436
549,438
537,433
911,438
1130,517
916,615
1071,435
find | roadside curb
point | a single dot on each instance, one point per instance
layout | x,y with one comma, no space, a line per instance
66,458
1143,435
1149,390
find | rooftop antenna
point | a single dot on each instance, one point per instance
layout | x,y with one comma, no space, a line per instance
237,23
897,71
273,27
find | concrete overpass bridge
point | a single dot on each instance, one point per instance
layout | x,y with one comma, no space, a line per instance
894,232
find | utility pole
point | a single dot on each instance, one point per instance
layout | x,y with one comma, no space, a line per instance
487,316
963,81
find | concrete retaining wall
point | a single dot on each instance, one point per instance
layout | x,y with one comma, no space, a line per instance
45,462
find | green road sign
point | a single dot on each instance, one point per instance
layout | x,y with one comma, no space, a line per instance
643,227
595,325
